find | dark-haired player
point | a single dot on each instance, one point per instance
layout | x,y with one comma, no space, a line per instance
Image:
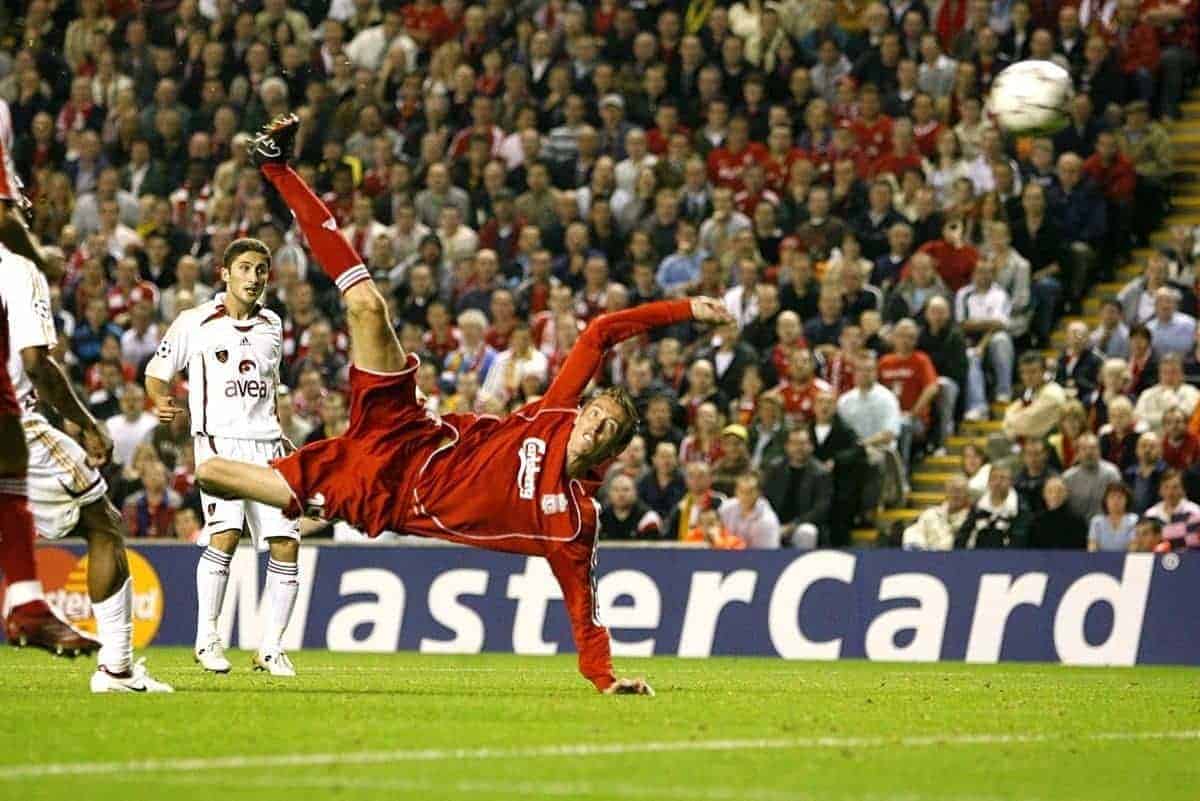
231,347
521,484
28,619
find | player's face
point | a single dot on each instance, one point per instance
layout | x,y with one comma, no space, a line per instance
595,428
246,278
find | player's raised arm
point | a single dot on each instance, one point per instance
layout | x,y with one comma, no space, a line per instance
609,329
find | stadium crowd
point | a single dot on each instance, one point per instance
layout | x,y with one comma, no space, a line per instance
511,169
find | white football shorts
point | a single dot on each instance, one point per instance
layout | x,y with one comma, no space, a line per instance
60,481
264,522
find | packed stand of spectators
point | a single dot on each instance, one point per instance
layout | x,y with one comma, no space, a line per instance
510,169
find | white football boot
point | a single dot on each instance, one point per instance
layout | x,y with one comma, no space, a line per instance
211,656
138,681
276,663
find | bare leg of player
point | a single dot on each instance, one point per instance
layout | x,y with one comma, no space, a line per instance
229,478
29,619
111,591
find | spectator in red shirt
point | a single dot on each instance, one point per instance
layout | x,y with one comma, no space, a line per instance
902,156
1135,46
872,128
1115,177
1180,448
910,375
926,127
151,512
727,163
800,388
954,258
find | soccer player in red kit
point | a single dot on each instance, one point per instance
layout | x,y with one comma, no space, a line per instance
28,620
521,484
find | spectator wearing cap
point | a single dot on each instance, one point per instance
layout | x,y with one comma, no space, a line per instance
800,490
1148,145
1178,516
749,516
734,459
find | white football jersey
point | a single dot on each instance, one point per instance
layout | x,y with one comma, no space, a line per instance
10,182
232,367
26,296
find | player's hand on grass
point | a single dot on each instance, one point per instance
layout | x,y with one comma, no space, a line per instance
98,445
710,310
629,687
166,409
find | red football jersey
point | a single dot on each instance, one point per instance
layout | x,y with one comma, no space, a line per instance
908,377
495,483
725,167
798,399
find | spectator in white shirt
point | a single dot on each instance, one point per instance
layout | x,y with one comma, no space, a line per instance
874,413
368,48
514,365
140,340
983,310
638,156
1170,391
749,516
132,426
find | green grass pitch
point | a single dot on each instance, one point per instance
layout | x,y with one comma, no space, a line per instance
407,726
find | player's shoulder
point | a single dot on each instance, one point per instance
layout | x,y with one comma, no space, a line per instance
272,318
197,315
20,273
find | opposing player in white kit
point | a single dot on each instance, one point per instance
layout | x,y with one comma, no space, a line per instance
231,348
66,492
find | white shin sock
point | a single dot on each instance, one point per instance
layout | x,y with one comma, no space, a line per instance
281,589
212,576
114,629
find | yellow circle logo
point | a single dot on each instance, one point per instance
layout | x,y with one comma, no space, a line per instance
65,580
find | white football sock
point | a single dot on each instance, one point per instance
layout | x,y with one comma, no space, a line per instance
20,593
114,629
281,589
212,576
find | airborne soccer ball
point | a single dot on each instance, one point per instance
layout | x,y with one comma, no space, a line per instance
1031,98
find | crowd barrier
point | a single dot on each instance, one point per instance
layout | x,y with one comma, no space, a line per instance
981,606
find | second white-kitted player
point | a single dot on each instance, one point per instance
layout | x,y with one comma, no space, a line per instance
231,349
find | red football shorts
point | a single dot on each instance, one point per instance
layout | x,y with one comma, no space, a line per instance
361,477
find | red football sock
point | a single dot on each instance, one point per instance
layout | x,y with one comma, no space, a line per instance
16,549
330,249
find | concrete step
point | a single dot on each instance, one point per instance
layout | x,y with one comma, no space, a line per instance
1107,290
955,444
1183,218
923,500
906,515
865,537
932,481
941,463
982,428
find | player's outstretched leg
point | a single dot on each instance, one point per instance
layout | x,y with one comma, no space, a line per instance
28,619
373,342
111,591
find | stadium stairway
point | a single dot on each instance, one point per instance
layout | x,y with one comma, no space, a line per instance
929,477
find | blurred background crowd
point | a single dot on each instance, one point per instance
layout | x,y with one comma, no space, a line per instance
510,169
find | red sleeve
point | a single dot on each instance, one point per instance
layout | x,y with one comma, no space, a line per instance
600,335
572,566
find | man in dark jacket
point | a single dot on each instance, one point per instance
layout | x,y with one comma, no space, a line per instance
1057,527
943,343
836,447
801,493
998,519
